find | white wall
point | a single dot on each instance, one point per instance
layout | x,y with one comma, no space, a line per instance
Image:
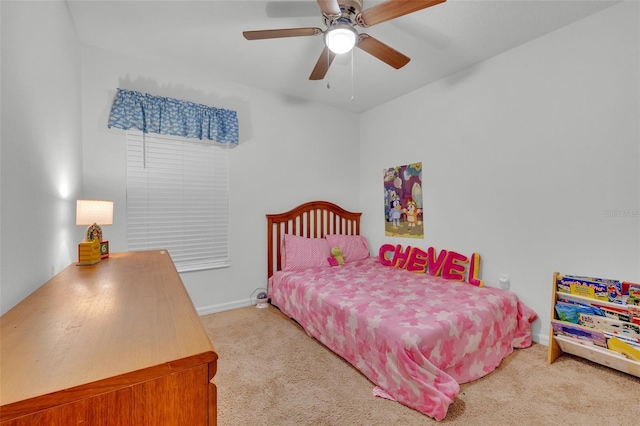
289,152
40,146
522,156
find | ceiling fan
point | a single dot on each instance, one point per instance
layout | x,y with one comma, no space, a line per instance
340,17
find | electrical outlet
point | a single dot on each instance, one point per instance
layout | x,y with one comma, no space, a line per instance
505,281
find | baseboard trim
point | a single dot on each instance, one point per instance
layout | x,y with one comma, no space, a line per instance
212,309
543,339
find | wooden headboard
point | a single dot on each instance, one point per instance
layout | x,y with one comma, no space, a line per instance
314,219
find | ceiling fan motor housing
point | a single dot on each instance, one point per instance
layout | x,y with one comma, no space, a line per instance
349,10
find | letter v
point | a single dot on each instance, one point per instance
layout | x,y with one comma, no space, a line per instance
435,264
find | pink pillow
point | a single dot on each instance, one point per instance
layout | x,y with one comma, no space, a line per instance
300,253
354,247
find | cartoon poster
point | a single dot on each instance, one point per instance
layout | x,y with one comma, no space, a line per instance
403,201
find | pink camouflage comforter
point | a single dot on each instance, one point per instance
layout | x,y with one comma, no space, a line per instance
414,335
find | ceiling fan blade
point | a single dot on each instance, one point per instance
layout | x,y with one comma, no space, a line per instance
381,51
329,7
322,66
287,32
392,9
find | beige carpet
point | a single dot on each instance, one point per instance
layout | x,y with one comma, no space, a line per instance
271,373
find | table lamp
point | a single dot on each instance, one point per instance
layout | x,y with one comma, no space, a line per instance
93,214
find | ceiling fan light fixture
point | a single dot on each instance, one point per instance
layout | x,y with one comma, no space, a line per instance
341,38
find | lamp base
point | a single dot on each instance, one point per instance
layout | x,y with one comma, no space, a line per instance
93,232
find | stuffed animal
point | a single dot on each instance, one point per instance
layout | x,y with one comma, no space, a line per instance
336,252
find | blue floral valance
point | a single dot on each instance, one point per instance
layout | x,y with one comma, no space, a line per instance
167,116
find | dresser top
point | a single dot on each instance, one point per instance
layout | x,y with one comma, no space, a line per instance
129,313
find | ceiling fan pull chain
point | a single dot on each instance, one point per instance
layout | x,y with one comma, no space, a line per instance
328,76
353,96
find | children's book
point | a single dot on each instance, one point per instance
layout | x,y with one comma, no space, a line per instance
569,311
583,334
629,340
634,313
634,294
619,312
619,346
610,325
593,288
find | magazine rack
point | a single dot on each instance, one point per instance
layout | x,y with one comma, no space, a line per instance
559,344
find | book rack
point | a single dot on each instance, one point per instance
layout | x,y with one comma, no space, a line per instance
559,344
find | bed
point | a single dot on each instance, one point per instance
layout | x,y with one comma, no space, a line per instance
414,335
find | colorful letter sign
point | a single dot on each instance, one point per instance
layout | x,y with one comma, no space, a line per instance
448,264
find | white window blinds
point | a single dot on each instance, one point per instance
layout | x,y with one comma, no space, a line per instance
177,199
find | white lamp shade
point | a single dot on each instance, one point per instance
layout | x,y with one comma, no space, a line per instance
89,212
341,39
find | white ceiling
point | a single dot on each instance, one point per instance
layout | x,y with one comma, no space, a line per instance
440,40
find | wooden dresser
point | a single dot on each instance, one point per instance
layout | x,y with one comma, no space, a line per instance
116,343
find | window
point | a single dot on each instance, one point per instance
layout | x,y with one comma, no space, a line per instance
177,199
